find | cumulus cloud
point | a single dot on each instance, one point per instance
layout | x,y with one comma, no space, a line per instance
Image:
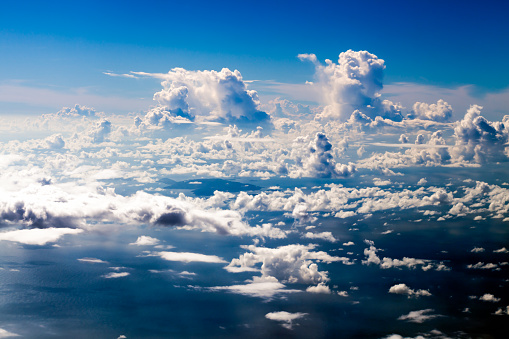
320,288
291,263
319,161
327,236
489,298
478,139
38,236
145,240
210,96
419,316
287,319
441,111
70,205
411,263
77,111
405,290
483,266
502,311
354,83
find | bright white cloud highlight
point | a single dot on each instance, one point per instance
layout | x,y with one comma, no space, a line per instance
38,236
287,319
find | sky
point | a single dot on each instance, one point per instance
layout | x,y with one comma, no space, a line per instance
66,46
254,169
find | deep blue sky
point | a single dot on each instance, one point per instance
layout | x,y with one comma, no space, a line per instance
70,43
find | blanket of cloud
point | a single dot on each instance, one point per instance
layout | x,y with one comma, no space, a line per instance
215,214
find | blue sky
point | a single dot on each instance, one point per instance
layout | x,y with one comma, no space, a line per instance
70,44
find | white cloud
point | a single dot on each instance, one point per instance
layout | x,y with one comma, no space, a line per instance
287,319
502,311
260,287
489,298
320,288
441,111
114,275
354,83
501,250
38,236
419,316
190,257
477,250
327,236
7,334
319,161
290,263
478,139
93,261
483,266
405,290
209,96
145,240
410,263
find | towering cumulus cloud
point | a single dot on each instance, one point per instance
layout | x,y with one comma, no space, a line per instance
209,96
353,83
478,138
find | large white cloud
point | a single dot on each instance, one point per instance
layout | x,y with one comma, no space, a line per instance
287,319
71,205
478,139
441,111
37,236
291,263
354,83
210,96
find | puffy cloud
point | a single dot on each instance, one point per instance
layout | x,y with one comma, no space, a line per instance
291,263
478,139
55,141
145,240
411,263
320,161
77,111
483,266
70,205
354,83
100,131
159,118
320,288
285,318
403,139
419,316
327,236
477,250
489,298
190,257
37,236
405,290
210,96
441,111
502,311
